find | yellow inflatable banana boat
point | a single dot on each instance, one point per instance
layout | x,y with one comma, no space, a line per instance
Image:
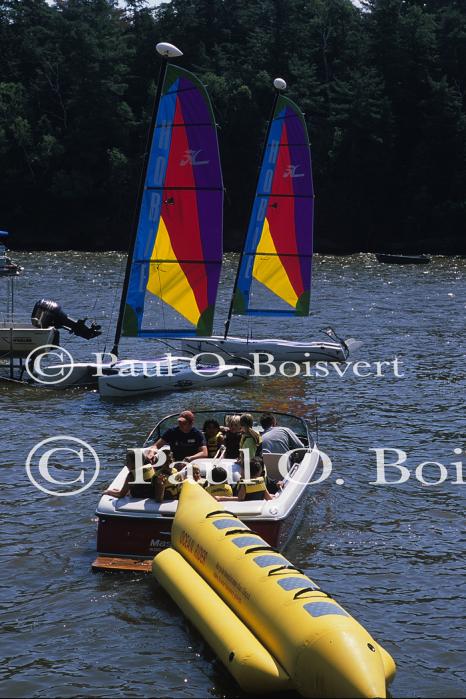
270,624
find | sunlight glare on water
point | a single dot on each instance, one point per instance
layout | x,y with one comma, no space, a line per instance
393,556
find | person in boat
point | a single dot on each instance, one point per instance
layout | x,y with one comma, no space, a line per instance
214,437
250,438
196,476
232,437
136,490
167,482
277,439
253,488
218,487
186,442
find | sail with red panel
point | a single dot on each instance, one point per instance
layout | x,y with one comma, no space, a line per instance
177,254
274,273
274,276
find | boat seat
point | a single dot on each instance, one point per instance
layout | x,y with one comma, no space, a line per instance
271,464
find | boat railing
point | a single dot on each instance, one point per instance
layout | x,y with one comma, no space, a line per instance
13,320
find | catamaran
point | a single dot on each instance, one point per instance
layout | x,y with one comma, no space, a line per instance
175,255
132,530
274,273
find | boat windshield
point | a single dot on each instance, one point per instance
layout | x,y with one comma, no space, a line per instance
297,424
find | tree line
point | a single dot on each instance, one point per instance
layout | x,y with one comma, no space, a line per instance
382,87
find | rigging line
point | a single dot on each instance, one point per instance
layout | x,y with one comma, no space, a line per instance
112,311
95,303
167,344
163,303
245,237
316,412
120,266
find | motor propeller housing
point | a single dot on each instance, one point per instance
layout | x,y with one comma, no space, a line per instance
47,313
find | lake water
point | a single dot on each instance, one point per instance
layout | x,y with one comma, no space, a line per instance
392,555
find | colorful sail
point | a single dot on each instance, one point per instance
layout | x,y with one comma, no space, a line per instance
178,250
277,253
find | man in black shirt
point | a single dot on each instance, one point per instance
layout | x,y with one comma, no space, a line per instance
186,442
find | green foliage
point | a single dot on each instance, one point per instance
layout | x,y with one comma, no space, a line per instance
382,87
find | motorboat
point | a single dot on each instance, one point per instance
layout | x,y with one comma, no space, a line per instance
18,338
138,528
392,259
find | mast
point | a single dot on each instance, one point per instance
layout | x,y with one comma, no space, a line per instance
279,85
167,51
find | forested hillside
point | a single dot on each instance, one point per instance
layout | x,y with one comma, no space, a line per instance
383,90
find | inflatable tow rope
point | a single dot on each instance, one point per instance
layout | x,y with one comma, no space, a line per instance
271,626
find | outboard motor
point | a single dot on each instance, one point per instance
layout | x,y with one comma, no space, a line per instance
49,313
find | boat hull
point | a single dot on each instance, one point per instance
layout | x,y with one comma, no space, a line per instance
124,531
132,382
128,383
18,342
281,350
138,538
144,538
402,259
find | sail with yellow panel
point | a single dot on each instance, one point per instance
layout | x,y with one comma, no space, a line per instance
274,273
277,253
176,256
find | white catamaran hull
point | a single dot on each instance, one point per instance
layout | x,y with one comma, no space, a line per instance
136,380
131,377
18,342
281,350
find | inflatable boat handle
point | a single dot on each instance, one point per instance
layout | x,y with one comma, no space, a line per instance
230,532
262,548
284,569
221,512
311,589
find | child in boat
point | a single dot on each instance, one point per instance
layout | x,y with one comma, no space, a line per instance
167,481
253,488
218,487
196,475
250,438
214,437
232,437
136,490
